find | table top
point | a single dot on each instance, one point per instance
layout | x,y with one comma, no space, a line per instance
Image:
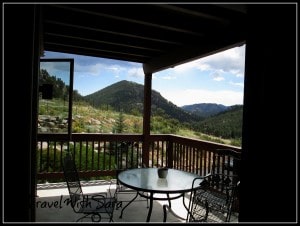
147,180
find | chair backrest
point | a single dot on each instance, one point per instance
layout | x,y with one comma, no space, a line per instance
121,155
226,174
226,162
221,183
218,188
217,193
127,155
72,179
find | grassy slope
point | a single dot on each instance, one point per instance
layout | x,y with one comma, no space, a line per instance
92,120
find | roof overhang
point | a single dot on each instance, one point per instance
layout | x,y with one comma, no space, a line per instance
157,35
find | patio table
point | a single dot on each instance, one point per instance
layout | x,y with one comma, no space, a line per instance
147,183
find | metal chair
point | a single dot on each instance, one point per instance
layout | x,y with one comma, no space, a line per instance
213,202
215,199
93,206
218,193
127,157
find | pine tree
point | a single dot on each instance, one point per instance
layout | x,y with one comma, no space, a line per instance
119,126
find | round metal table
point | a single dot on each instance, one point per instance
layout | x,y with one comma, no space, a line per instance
146,181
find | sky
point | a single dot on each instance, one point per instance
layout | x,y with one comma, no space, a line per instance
218,78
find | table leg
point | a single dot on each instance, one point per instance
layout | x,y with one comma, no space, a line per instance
169,209
128,204
169,200
150,207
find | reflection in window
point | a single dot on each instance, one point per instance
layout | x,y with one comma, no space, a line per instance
54,83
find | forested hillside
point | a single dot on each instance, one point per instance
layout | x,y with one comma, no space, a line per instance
129,97
227,124
205,110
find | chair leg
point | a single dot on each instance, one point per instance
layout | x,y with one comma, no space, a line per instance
228,215
165,213
111,218
206,211
147,200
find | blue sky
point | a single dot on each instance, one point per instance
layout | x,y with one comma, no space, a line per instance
218,78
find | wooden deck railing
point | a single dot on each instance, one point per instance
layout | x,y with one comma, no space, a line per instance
99,155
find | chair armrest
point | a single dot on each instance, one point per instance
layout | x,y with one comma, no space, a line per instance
195,183
169,209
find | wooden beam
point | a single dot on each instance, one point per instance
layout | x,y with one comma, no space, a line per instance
207,16
130,20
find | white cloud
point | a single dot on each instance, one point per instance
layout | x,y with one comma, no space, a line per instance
115,68
218,79
164,76
229,61
183,68
87,70
56,66
136,72
203,66
193,96
99,68
237,84
168,77
217,76
94,69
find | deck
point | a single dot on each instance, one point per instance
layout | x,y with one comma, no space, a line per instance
51,205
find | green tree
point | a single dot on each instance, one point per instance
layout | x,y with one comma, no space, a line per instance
119,126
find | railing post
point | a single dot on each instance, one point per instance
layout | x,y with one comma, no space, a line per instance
170,153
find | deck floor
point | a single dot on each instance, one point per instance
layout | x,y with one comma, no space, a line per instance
52,207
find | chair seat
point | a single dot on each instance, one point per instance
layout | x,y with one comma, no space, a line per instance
214,199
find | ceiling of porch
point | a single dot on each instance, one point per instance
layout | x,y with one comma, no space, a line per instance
158,35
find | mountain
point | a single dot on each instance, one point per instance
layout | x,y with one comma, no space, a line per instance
205,110
226,124
129,96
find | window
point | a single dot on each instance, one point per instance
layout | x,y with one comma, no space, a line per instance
55,100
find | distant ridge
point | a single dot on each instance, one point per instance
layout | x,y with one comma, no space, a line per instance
225,124
205,109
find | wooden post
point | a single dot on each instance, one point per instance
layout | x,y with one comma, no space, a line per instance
170,153
146,118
